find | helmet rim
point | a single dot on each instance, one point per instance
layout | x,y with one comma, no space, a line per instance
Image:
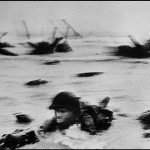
66,100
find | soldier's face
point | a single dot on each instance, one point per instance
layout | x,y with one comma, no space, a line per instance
64,115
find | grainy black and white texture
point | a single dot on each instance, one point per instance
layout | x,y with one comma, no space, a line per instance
93,60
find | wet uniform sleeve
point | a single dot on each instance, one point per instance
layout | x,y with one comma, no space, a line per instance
48,126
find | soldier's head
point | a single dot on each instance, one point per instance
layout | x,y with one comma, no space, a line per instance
66,106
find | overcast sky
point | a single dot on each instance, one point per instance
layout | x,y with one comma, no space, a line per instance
113,16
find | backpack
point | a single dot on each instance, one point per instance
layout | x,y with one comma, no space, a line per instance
95,118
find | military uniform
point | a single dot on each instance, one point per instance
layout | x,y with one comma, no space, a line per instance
92,119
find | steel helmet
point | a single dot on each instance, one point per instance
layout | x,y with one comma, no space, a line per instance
66,100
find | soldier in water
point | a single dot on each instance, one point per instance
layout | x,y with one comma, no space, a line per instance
68,112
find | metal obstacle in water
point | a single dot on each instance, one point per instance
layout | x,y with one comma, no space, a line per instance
3,34
66,31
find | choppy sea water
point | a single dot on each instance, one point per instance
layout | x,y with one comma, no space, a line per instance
125,81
